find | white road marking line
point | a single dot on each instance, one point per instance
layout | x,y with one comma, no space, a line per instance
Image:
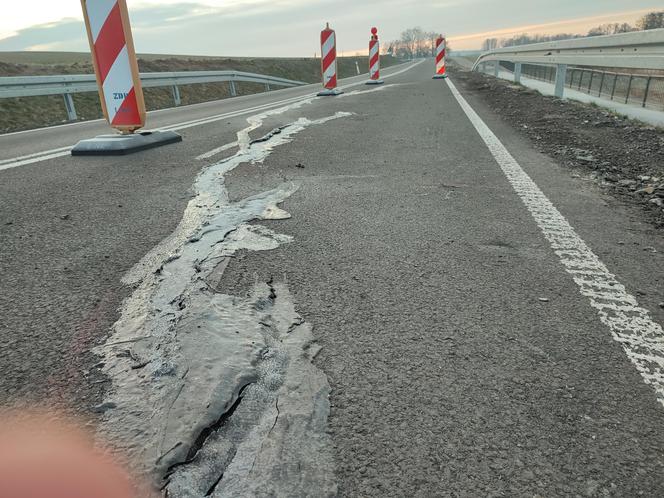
391,75
256,121
218,150
36,154
150,113
64,151
289,106
232,114
42,156
641,338
49,128
212,119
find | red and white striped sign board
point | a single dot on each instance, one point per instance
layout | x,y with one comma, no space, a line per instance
114,59
440,58
328,43
374,55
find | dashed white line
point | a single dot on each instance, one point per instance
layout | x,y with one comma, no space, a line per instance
641,338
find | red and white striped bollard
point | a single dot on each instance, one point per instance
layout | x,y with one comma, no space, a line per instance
119,83
374,59
114,58
441,72
328,44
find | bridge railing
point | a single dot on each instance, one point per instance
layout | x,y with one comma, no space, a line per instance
67,85
644,90
643,50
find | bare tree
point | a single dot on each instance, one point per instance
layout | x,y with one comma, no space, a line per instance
414,42
652,20
490,44
611,29
409,40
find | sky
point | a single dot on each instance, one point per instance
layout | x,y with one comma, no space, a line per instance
290,28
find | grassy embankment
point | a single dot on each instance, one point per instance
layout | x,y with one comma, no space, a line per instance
32,112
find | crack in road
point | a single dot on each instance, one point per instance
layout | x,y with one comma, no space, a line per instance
176,321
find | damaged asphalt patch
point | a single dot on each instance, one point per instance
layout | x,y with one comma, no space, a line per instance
215,394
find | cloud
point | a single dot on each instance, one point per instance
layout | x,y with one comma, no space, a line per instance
66,34
285,28
578,25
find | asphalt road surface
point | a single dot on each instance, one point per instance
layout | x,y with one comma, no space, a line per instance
488,324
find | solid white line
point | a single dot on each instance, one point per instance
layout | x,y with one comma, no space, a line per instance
150,113
642,338
212,119
218,150
54,127
225,147
391,75
36,154
158,111
37,159
63,151
51,154
232,114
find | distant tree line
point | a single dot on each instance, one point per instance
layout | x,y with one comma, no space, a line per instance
414,42
652,20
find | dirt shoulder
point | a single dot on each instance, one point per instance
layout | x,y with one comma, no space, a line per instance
624,156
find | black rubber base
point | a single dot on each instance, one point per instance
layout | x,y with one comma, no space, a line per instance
439,77
329,93
374,82
120,145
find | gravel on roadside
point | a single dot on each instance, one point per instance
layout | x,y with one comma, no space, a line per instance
626,157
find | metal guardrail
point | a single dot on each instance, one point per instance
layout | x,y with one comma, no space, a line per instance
638,50
66,85
644,90
464,53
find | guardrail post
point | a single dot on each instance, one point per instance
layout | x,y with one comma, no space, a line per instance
590,85
601,84
561,76
613,90
176,95
517,72
629,88
69,105
645,95
267,87
233,89
496,69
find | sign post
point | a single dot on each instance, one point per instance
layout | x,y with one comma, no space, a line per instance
119,83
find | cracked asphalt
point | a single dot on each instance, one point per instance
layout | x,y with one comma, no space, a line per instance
462,359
